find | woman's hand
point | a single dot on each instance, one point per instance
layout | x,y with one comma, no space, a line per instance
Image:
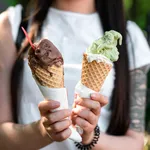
55,123
86,114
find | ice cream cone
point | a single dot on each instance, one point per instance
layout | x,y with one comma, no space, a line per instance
96,65
52,77
50,80
94,73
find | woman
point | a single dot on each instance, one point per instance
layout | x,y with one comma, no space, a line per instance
72,26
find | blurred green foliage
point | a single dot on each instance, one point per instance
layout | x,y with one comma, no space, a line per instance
138,10
11,2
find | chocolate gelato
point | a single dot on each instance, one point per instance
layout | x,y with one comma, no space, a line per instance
46,64
48,54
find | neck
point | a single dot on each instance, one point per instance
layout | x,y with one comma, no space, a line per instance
79,6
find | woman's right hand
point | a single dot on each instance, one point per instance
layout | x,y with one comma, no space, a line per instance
55,123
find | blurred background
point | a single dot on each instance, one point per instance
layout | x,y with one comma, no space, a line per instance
136,10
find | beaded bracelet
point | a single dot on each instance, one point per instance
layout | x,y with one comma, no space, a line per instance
93,143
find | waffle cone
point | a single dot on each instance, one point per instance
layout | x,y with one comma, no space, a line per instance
52,77
94,74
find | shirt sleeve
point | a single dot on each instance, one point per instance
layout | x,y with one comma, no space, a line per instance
14,15
138,48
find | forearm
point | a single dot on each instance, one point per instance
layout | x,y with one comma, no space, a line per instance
108,142
23,137
134,138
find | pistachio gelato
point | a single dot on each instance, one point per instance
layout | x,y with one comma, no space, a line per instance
106,46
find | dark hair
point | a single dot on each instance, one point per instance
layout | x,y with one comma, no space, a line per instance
112,17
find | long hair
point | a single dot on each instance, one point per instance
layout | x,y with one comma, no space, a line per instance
112,17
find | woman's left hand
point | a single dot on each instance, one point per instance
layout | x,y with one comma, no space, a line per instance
86,114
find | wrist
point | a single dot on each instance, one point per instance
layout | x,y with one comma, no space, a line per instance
93,143
87,138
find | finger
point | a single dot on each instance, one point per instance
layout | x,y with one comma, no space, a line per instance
45,121
72,118
74,105
93,105
59,137
58,115
103,100
60,126
86,126
86,114
47,105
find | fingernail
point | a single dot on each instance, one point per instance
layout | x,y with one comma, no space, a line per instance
56,103
93,95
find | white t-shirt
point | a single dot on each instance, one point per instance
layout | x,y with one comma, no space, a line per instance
72,33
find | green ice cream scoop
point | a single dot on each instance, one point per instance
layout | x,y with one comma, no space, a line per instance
107,45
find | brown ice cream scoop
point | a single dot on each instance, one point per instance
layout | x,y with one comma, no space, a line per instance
47,54
46,64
